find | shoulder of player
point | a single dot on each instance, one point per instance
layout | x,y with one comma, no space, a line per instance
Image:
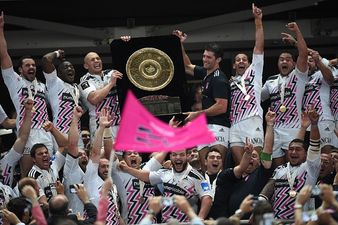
195,174
272,78
34,173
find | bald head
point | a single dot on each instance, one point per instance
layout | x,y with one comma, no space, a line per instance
58,205
93,63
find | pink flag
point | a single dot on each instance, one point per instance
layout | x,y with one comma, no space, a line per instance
139,130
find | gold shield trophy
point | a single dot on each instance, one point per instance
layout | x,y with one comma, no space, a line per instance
155,73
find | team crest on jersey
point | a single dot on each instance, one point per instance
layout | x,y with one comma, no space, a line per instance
85,85
205,186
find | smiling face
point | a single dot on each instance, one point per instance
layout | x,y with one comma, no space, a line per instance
93,63
213,162
179,160
241,63
210,62
254,162
326,166
285,64
28,69
66,72
296,153
133,159
103,168
41,158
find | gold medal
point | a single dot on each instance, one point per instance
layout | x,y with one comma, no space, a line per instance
247,97
282,108
292,193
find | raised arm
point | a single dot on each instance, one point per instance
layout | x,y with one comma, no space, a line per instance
324,69
19,144
246,158
313,154
304,124
266,154
189,67
259,44
97,144
73,135
47,60
302,65
97,96
140,174
60,138
6,61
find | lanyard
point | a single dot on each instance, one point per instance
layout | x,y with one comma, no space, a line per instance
282,90
291,177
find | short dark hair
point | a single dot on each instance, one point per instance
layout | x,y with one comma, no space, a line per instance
298,140
216,49
20,62
19,206
212,149
36,146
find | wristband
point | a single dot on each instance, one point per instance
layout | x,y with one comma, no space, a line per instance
298,206
265,156
107,133
57,54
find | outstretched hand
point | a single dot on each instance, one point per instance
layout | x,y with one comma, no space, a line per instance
181,35
248,147
257,12
105,118
270,117
313,115
292,26
288,39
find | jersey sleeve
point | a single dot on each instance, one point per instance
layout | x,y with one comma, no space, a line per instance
10,77
155,177
3,115
86,86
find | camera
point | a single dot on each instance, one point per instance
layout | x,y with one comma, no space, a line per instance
72,189
268,219
167,201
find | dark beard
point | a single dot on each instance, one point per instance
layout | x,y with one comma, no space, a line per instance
184,167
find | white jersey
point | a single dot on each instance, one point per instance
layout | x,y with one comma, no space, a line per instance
3,115
294,91
18,90
334,94
135,202
46,179
189,183
89,83
8,163
73,174
93,184
317,94
61,97
242,108
306,174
